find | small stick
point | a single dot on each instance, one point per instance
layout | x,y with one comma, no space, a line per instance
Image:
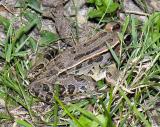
137,13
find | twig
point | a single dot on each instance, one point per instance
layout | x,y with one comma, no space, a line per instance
6,8
137,13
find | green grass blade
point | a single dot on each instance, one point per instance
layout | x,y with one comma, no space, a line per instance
8,52
66,110
134,32
23,123
23,30
56,106
22,44
20,54
113,54
125,25
137,113
88,114
107,115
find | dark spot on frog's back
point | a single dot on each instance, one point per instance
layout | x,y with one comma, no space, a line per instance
110,40
36,93
71,89
98,58
101,35
91,72
72,50
157,104
63,75
49,97
83,88
58,57
95,59
77,57
50,54
45,87
79,66
78,78
96,48
40,66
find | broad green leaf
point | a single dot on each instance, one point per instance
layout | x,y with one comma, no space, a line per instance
110,8
23,123
113,7
81,103
30,16
30,3
100,84
47,38
102,8
87,122
87,113
95,13
68,113
34,3
32,43
98,3
91,1
107,2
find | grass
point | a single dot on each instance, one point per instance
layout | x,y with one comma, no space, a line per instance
129,102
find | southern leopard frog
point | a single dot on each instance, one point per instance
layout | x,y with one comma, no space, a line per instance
77,68
73,69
